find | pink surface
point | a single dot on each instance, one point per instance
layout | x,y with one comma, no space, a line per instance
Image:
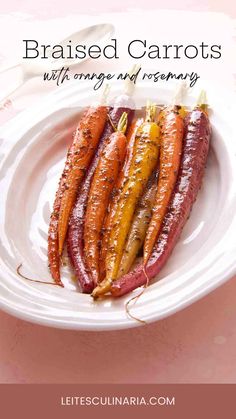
194,346
58,8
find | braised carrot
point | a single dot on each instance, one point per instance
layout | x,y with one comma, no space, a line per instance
139,226
53,254
103,181
196,144
75,242
107,226
144,160
172,130
87,137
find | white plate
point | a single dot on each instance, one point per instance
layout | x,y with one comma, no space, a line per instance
33,149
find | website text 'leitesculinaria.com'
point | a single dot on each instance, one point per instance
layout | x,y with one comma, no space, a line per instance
117,401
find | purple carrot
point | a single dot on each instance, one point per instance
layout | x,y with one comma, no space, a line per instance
75,244
193,161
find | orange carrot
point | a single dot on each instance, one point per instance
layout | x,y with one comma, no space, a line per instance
115,194
53,254
104,178
172,129
86,140
144,160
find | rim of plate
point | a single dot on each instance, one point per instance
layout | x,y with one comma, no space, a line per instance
217,269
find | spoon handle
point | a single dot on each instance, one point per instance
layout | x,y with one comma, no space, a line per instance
4,99
9,67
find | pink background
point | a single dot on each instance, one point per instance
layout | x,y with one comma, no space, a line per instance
196,345
60,8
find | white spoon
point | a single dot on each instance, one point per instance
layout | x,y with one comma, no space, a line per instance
33,68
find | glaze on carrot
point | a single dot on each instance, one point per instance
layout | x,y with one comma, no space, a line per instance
144,160
86,140
172,129
53,254
139,226
107,226
75,242
193,161
104,178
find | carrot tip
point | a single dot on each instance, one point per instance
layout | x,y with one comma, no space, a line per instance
122,124
180,91
105,94
135,299
18,271
129,84
102,288
150,111
202,100
128,312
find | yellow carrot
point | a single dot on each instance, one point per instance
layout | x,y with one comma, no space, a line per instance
139,227
107,226
144,160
